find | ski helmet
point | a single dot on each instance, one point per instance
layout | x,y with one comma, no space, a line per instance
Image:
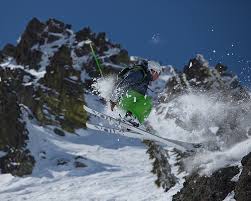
153,65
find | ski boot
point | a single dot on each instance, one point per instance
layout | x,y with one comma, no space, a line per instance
131,119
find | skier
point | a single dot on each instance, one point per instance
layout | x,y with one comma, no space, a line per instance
130,90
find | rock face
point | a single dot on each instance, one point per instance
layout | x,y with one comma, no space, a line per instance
214,188
17,160
32,35
198,76
243,187
9,50
219,185
69,99
59,69
14,136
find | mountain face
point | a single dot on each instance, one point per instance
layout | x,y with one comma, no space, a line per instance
46,73
49,73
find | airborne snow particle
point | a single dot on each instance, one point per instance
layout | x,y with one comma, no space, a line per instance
156,38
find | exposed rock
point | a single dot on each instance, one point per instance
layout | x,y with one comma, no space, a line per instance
213,188
15,78
79,157
9,50
1,57
84,50
100,42
60,68
56,26
85,34
243,187
221,68
197,75
59,132
121,58
79,164
249,132
161,167
67,100
13,135
31,36
18,162
196,69
62,161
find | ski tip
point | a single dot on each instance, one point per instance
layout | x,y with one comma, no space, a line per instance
87,109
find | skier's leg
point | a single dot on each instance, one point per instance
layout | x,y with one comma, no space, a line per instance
139,105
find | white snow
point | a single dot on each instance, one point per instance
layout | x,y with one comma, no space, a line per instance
211,161
2,154
112,65
214,129
230,197
104,86
19,39
118,167
236,177
111,52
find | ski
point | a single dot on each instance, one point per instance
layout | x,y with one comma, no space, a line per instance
134,135
183,146
123,132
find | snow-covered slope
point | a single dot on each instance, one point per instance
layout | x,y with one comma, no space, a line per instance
117,167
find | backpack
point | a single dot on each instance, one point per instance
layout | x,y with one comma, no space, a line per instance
139,67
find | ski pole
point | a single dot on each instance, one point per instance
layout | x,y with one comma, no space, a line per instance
95,57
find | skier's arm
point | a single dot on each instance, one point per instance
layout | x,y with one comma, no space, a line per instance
133,78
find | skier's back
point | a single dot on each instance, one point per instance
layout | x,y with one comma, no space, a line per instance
131,87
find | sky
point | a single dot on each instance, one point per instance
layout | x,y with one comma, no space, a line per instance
170,31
